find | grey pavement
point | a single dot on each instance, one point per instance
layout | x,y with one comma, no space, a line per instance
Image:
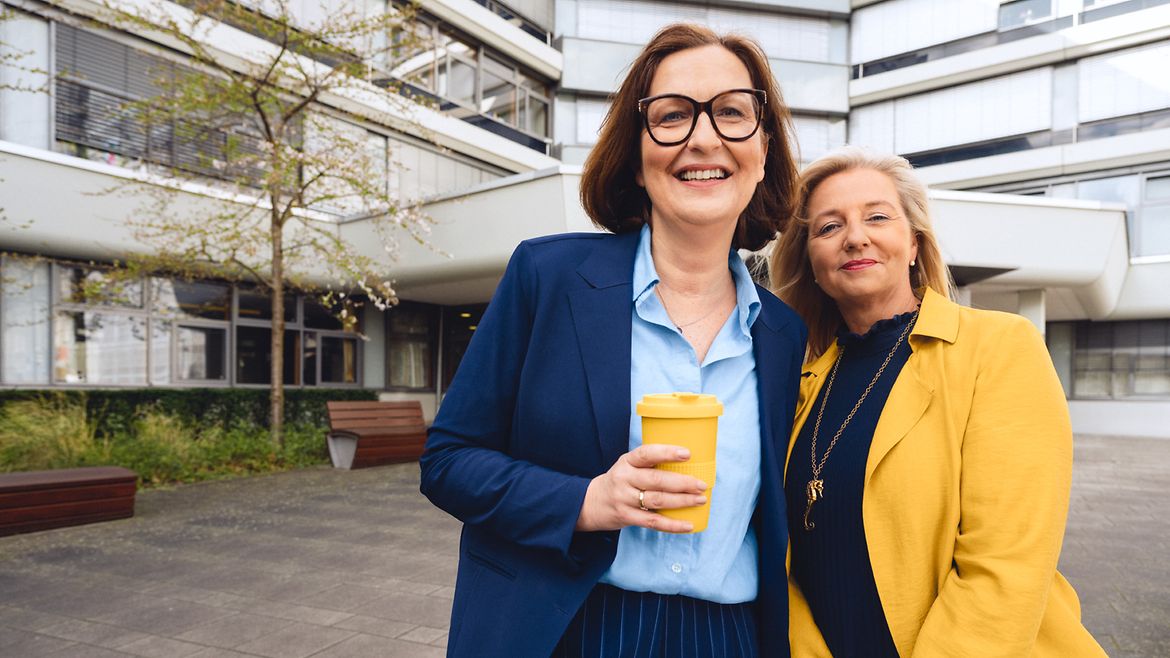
330,563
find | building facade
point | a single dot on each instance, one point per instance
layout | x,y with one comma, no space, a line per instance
1042,126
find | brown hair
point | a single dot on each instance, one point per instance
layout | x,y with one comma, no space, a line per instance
609,191
789,266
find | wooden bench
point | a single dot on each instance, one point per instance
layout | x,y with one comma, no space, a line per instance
373,433
39,500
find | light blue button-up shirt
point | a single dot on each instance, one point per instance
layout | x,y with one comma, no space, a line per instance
718,564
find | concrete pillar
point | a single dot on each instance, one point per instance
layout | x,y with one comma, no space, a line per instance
1031,306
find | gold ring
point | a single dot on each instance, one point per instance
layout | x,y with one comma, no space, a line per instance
642,501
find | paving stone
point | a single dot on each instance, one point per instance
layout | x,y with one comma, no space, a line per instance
161,647
369,646
412,608
230,632
423,634
163,616
15,642
28,620
89,651
296,641
343,597
375,626
102,635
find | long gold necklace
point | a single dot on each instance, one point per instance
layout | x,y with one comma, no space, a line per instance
815,489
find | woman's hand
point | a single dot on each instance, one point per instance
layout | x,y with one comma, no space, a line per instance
615,498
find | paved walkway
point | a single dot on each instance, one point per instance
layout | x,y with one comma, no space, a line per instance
331,563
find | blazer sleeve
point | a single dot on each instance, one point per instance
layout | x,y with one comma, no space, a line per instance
1014,492
466,466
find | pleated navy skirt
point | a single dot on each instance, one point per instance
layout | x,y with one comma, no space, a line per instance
615,623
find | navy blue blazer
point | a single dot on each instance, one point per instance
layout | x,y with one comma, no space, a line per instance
540,406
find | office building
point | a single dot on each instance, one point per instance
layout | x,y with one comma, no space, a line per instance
1042,126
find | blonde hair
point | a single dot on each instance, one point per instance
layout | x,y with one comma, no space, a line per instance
789,266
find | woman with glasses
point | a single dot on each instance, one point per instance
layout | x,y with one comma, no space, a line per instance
536,447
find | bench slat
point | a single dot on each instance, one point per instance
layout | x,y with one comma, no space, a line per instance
65,477
366,405
66,494
70,509
48,524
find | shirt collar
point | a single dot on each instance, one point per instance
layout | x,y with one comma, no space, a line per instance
747,298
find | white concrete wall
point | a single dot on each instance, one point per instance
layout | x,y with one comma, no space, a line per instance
1149,418
429,402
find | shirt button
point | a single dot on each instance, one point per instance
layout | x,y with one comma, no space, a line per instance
676,567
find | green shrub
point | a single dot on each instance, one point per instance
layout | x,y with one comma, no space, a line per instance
50,431
163,435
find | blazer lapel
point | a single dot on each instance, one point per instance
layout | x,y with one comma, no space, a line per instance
768,369
908,400
601,319
938,320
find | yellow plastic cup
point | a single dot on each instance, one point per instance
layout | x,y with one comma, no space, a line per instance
690,420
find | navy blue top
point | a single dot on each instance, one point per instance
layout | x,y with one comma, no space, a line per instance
831,561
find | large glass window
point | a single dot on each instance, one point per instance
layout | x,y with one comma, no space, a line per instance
202,354
79,285
459,324
69,324
472,82
1122,359
94,347
410,353
1153,221
1023,12
338,360
193,299
254,355
25,306
257,305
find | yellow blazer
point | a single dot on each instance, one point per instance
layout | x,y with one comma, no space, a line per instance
966,494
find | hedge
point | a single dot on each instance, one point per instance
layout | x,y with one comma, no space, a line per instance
113,410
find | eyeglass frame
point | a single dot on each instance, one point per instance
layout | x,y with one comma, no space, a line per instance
703,107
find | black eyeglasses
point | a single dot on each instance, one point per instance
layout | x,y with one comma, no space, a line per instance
671,118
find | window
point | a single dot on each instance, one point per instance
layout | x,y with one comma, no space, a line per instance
255,304
202,354
473,82
78,285
1122,359
67,324
192,300
1023,12
459,324
1153,219
24,302
338,360
94,347
410,347
254,355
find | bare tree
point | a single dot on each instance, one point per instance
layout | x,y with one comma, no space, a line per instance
256,120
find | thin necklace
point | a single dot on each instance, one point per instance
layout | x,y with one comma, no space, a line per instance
815,489
670,315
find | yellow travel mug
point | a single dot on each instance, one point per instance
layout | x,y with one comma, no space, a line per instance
690,420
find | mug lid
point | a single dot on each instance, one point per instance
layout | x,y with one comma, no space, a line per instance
680,405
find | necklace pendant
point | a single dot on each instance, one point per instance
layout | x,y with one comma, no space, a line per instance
815,490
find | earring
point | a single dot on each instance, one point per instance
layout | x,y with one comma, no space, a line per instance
912,262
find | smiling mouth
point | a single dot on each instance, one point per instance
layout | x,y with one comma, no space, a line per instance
703,174
857,264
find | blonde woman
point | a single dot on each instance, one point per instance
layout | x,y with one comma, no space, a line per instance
928,473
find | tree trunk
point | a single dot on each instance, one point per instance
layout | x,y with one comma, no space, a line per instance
276,417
